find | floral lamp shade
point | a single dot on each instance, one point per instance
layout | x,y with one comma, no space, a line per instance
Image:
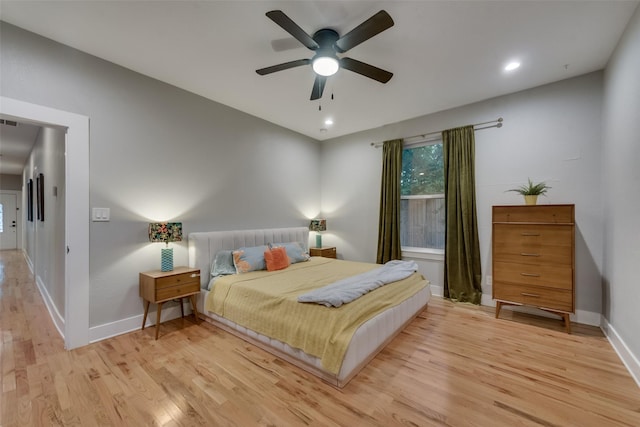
165,232
318,225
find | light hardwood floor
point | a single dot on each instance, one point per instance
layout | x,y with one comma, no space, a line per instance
455,365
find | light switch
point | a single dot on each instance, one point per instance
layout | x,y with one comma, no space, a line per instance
100,214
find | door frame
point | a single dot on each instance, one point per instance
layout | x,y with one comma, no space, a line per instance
76,317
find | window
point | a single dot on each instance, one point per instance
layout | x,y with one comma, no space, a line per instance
422,209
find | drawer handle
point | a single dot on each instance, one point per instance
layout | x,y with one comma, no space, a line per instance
526,254
525,294
530,274
530,234
195,275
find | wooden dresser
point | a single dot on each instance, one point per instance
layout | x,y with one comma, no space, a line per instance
533,258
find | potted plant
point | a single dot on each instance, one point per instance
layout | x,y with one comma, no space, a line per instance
531,191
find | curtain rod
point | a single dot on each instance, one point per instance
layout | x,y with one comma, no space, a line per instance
424,136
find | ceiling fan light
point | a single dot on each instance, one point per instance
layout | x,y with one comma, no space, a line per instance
325,66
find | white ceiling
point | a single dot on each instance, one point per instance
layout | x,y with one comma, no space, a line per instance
443,53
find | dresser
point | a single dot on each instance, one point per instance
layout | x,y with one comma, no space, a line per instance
533,256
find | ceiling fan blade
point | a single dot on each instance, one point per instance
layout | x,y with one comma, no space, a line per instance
366,70
369,28
284,66
318,87
292,28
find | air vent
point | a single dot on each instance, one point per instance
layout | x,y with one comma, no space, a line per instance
8,122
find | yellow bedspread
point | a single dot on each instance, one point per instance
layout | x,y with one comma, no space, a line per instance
266,302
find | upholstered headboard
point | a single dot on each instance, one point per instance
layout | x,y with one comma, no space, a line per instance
203,246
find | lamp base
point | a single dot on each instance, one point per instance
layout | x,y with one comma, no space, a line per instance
166,262
318,240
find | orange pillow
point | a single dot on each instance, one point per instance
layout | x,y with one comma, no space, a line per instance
276,259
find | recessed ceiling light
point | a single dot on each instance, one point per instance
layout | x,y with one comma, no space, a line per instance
328,122
512,66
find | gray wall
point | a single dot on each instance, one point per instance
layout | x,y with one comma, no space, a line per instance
45,245
160,153
550,133
621,183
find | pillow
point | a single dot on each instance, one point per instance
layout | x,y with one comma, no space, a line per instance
294,251
249,259
223,264
276,259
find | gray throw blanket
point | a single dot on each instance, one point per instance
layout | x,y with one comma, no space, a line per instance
346,290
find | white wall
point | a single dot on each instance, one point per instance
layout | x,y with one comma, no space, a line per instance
621,135
550,133
160,153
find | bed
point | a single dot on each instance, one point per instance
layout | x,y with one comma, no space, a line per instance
363,341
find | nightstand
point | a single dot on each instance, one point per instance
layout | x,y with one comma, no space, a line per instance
159,287
329,252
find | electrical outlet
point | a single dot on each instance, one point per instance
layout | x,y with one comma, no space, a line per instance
489,280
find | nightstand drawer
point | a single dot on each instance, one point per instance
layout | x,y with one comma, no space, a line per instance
323,252
177,279
171,292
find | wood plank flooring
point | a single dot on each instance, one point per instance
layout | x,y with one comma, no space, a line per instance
455,365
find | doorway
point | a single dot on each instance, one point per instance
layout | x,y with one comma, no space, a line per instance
8,221
75,321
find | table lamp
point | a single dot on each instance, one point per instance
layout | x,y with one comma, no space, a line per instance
318,225
165,232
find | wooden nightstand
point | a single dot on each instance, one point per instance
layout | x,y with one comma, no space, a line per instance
329,252
159,287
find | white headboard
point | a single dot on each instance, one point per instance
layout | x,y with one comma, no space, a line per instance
203,246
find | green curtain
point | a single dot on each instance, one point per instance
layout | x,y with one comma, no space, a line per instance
389,222
462,270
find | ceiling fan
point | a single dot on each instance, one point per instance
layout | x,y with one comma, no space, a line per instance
327,43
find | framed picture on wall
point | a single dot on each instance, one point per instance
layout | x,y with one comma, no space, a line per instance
40,196
30,200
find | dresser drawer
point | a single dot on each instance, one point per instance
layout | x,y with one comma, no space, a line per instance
553,299
555,214
176,279
552,276
533,243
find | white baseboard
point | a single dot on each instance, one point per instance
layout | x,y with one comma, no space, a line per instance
134,323
628,358
58,320
28,260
